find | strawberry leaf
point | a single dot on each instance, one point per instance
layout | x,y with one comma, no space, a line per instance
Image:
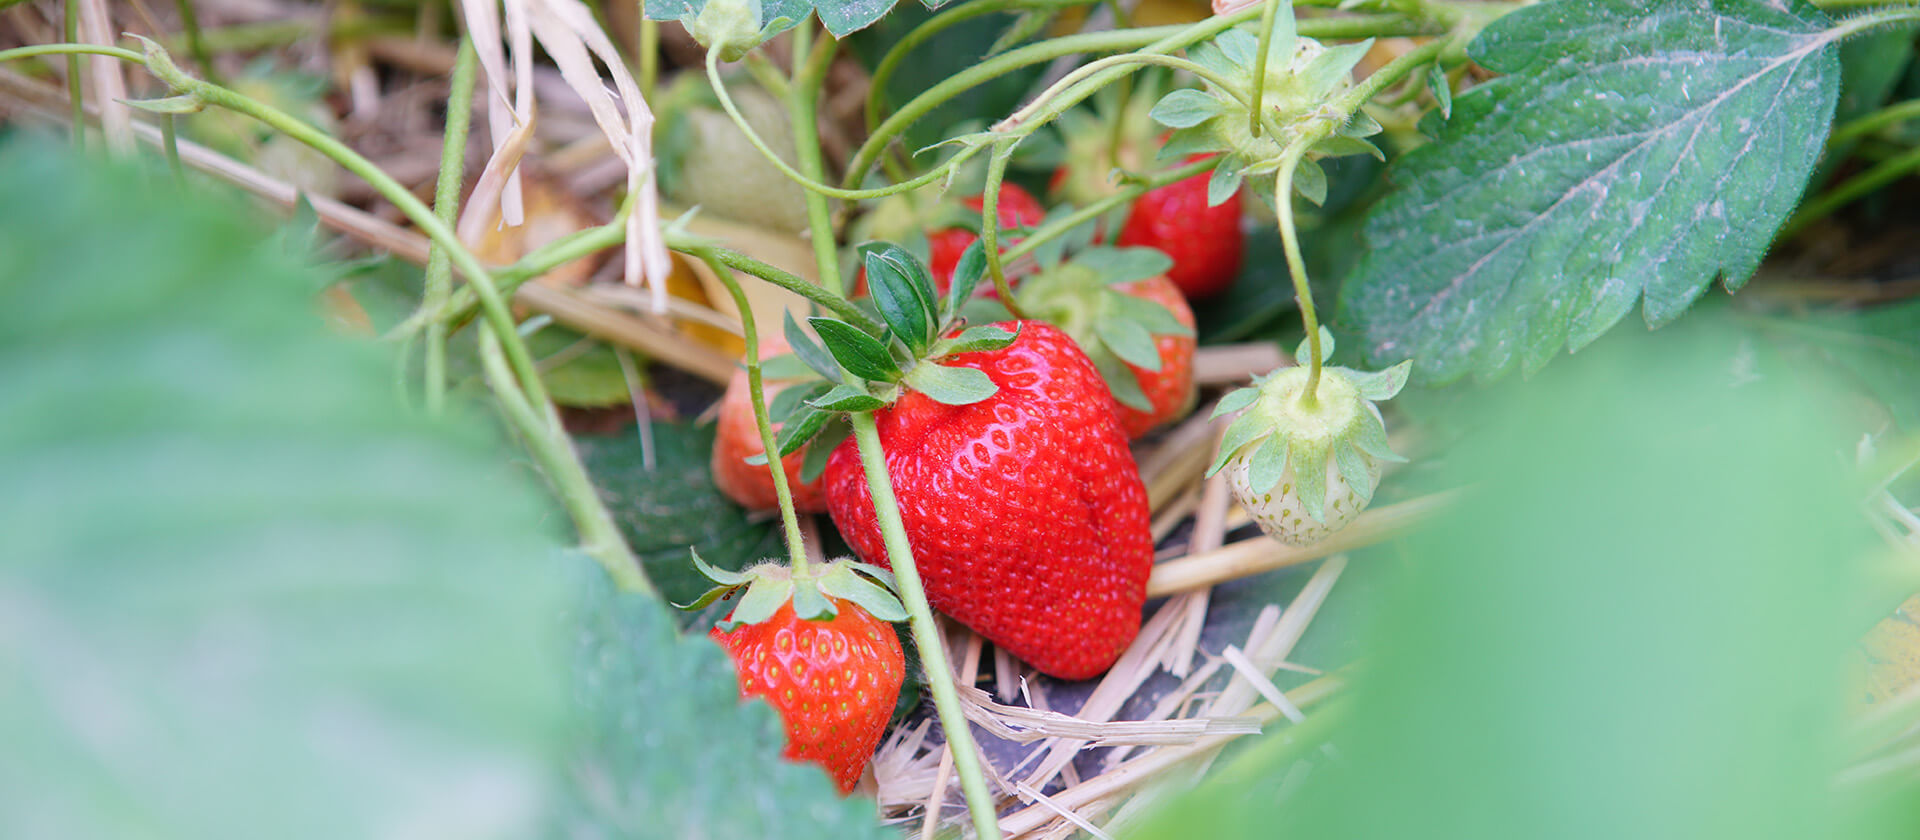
902,292
1634,152
951,385
860,354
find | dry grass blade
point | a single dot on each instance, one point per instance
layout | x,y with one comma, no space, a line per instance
1024,726
498,181
1260,554
510,97
1235,364
104,76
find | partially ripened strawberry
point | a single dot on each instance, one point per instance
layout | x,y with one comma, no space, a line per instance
1025,511
1133,324
1205,241
1305,465
946,242
814,645
736,441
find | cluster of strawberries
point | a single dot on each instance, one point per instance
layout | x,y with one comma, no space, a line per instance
1025,511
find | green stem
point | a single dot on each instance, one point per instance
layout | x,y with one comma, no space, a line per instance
740,120
76,97
170,142
446,207
649,55
1267,10
926,636
1868,20
1062,95
947,18
809,72
73,51
762,70
990,224
1882,174
190,21
756,391
1302,290
1152,40
599,537
1863,126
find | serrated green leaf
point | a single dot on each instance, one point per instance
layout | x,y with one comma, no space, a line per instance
666,747
778,14
1441,89
902,292
1130,341
860,354
847,398
247,592
1185,108
951,385
1635,151
809,351
1121,380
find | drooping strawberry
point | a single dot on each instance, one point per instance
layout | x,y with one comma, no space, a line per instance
1203,237
814,645
1132,322
1305,466
1018,495
949,234
736,446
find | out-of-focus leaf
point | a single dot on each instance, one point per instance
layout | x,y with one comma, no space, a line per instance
1879,347
670,752
1635,151
245,593
1633,626
675,506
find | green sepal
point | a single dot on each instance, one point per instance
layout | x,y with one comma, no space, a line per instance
821,448
1333,69
1382,385
1361,124
1129,341
966,277
1239,47
1267,463
1121,380
1353,470
883,575
1235,400
1152,315
983,310
859,353
1338,146
1373,438
791,400
1209,55
809,604
951,385
843,580
764,597
1187,141
902,292
800,429
1185,108
185,103
1225,180
809,351
1242,431
1311,182
1124,265
786,366
1285,34
1310,477
975,340
1303,354
847,398
1442,91
716,574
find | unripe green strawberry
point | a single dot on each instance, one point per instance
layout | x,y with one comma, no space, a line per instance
1304,466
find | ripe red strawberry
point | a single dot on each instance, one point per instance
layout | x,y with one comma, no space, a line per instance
1133,324
1025,510
1018,209
1206,243
834,682
736,438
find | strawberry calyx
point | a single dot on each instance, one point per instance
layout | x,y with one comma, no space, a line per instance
1279,425
1303,77
769,586
864,371
1114,328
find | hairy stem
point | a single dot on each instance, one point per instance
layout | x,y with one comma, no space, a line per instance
990,224
796,546
1267,11
946,700
446,207
808,74
1302,290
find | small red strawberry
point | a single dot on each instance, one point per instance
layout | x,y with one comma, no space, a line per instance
737,439
1018,209
1205,241
1025,510
815,645
1133,324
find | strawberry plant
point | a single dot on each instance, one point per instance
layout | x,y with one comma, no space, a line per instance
361,430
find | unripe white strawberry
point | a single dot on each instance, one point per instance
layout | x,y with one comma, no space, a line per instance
1303,466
